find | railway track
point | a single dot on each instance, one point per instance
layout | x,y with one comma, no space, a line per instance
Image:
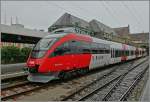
26,87
114,86
108,81
131,87
11,85
13,79
125,86
12,91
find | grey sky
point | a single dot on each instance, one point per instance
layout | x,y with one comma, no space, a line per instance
41,14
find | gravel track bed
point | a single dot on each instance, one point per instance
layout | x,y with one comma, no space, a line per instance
126,82
79,95
64,85
137,92
18,89
58,90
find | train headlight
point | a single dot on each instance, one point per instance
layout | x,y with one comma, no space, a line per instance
31,62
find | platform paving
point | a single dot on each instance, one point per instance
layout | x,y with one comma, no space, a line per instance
12,68
146,95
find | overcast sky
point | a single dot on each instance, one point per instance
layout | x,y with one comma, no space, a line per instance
42,14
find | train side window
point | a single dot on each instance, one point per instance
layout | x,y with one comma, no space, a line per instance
126,53
103,48
94,48
116,52
122,52
61,50
107,51
130,52
70,47
85,47
111,53
75,46
119,53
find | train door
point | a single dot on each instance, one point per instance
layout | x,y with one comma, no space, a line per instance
81,54
136,52
64,58
124,50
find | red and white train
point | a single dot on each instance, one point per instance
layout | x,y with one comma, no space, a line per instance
56,55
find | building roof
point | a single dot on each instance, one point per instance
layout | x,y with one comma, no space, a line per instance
69,20
99,27
144,37
122,31
21,31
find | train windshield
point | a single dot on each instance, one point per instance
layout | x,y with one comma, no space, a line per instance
42,46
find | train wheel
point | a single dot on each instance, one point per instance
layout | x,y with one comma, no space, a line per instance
63,75
83,71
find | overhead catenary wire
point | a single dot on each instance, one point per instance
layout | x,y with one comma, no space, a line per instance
90,13
85,11
114,10
141,19
132,13
62,8
110,12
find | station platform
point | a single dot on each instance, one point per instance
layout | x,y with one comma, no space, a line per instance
13,75
145,96
12,68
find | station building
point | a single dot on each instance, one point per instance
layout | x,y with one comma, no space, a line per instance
19,36
73,23
95,28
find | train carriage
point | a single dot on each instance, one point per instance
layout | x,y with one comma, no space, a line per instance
58,54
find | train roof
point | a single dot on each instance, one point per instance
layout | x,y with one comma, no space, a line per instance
56,35
111,43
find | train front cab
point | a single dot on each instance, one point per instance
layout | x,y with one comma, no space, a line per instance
64,55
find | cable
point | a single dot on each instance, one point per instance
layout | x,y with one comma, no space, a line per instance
110,13
137,13
91,13
137,21
66,10
112,10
